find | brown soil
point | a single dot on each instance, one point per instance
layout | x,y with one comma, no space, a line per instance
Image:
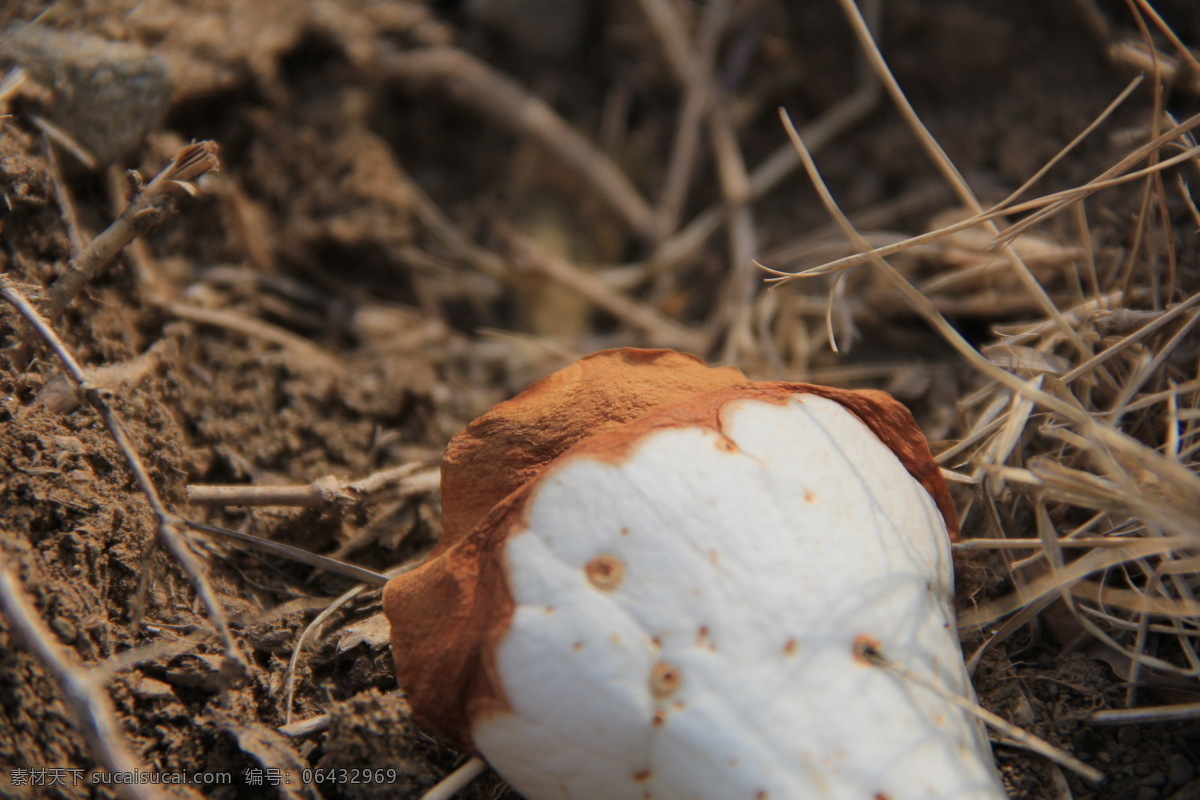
316,224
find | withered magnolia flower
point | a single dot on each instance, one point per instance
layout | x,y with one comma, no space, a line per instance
657,580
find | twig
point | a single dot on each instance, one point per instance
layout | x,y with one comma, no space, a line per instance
327,492
456,781
763,178
167,533
1117,454
943,163
475,84
1147,714
314,628
659,328
312,354
1052,203
66,141
700,92
149,208
672,36
87,700
361,574
872,654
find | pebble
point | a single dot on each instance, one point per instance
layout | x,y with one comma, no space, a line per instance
1180,769
106,95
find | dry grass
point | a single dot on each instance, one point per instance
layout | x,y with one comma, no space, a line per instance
1085,424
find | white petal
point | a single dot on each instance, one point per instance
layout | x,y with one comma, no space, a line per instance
749,571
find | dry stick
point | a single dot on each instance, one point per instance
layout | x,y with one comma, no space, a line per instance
943,163
765,177
66,205
313,628
456,781
659,328
473,83
698,96
59,396
1050,204
873,655
1161,24
1146,714
453,237
1037,544
1104,180
66,141
1119,455
1061,154
1140,236
311,352
703,98
315,560
89,704
148,209
1161,319
672,35
324,493
743,240
168,533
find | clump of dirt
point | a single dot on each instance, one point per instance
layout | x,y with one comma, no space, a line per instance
374,265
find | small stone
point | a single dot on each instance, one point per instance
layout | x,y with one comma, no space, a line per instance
1156,778
1180,770
107,95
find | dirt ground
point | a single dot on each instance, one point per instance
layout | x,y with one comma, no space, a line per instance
344,295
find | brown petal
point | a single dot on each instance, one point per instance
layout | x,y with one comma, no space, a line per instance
513,442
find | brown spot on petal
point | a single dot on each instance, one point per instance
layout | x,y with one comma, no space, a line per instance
726,445
643,776
605,572
659,719
809,497
664,680
789,647
866,650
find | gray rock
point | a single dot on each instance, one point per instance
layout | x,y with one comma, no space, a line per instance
107,95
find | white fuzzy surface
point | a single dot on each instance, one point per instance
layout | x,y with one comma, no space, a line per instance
751,573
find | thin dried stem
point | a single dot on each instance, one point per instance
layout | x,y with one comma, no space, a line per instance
86,699
874,655
324,493
477,85
351,571
943,163
1147,714
148,209
1115,453
658,328
457,780
310,354
168,534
